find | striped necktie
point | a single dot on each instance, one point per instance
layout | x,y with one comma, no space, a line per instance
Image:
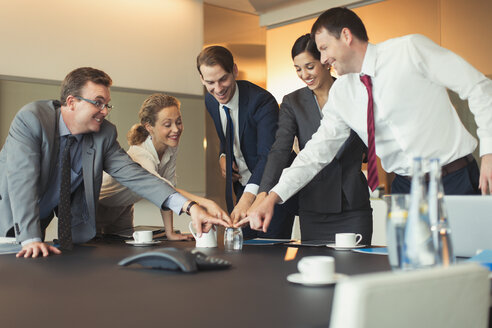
372,167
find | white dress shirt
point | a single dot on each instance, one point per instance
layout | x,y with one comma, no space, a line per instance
233,106
413,114
115,194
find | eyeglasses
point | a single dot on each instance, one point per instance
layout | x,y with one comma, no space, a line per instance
97,103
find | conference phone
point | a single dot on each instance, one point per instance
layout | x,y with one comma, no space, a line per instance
171,258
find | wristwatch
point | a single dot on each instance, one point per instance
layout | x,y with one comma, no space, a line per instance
188,208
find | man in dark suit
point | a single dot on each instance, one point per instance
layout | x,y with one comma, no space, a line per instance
250,114
31,179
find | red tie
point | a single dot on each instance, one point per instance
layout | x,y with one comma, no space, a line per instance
372,167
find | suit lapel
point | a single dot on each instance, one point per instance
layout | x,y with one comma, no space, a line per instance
314,117
88,153
56,142
243,107
214,112
53,149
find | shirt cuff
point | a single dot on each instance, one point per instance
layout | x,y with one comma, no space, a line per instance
222,155
283,194
485,146
251,188
174,203
31,240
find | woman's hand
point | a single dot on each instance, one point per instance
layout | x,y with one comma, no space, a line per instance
171,235
214,209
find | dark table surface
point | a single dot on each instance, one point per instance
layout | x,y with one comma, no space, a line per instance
86,288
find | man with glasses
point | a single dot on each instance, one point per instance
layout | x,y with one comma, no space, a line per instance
53,159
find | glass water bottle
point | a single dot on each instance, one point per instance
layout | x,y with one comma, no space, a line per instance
419,245
441,233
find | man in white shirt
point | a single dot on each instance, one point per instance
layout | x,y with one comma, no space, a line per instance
412,113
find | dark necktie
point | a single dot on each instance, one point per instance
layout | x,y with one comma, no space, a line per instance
64,209
229,144
372,166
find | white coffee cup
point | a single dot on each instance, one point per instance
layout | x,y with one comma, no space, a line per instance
317,268
206,240
347,239
142,237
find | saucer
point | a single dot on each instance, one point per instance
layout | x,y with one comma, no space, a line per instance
342,248
297,278
150,243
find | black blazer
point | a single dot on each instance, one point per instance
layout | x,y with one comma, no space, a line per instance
258,117
300,116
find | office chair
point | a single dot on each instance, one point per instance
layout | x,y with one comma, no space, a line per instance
457,296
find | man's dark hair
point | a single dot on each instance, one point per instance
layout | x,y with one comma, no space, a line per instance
305,44
77,79
215,55
334,20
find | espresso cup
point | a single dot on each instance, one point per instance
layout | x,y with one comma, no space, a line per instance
347,239
206,240
317,269
143,236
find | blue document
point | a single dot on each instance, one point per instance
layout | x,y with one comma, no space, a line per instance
375,250
484,258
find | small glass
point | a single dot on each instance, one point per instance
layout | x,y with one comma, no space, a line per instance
395,228
233,239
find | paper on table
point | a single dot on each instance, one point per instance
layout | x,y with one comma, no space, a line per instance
310,243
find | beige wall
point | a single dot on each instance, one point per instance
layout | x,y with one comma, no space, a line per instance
281,75
462,26
242,35
144,44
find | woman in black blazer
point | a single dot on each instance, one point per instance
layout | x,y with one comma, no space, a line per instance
337,199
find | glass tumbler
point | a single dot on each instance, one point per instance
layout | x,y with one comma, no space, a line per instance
233,239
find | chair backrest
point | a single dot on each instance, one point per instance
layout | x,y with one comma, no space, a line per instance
458,296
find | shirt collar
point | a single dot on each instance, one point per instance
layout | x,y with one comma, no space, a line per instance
233,104
64,131
149,146
369,63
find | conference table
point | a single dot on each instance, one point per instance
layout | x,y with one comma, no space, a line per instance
85,287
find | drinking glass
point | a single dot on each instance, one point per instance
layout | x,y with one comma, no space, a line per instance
233,239
395,228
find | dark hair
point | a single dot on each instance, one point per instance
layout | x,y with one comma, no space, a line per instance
305,44
336,19
215,55
148,114
77,79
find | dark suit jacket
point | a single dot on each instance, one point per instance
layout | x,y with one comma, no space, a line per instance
258,117
29,158
300,116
